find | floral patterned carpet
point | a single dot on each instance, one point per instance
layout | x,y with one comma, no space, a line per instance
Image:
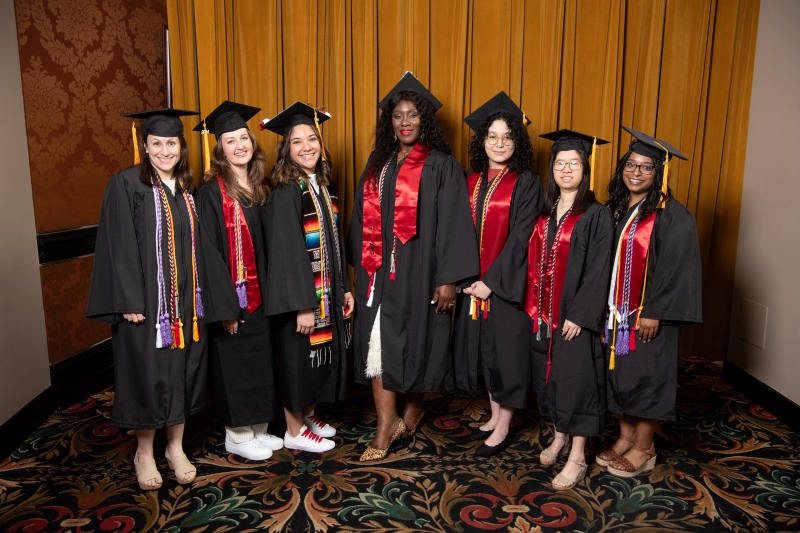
727,465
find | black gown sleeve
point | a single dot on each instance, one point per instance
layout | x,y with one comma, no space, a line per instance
674,291
117,284
219,295
507,275
456,246
290,281
587,309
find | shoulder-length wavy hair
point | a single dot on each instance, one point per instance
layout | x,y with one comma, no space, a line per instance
521,159
386,144
260,187
583,198
286,169
182,171
619,195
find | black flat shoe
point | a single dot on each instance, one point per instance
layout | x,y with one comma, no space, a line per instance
484,450
480,434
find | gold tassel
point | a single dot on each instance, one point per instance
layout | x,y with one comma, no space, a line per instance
591,164
181,343
206,151
319,134
611,362
195,330
664,187
136,159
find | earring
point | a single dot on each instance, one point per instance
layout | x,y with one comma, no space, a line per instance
395,137
421,136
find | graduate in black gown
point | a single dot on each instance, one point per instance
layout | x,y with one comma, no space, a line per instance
411,240
231,206
145,283
308,286
567,283
491,335
655,288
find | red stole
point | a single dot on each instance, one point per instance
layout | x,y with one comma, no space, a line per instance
405,209
494,213
244,258
544,287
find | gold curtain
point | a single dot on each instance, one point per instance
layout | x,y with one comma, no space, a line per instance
681,69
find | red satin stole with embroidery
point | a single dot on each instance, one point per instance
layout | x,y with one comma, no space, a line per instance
494,212
405,209
248,255
557,268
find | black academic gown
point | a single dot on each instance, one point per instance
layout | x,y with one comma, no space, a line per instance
574,396
153,387
290,288
415,340
241,364
499,347
644,383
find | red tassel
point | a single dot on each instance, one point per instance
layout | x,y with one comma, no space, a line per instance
391,276
547,375
632,342
176,335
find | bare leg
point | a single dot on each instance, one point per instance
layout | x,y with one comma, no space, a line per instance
294,422
627,433
492,422
645,429
386,408
577,454
144,451
502,424
185,471
412,407
559,441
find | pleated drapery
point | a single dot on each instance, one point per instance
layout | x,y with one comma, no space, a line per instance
681,69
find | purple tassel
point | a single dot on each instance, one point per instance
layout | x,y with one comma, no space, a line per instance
166,332
622,334
241,292
607,330
198,302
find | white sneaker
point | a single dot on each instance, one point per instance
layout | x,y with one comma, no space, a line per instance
249,449
307,441
270,441
318,427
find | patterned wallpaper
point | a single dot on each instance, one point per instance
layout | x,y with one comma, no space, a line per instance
83,62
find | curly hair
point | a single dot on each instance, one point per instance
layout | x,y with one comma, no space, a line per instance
182,171
286,169
260,187
583,198
619,195
521,159
386,144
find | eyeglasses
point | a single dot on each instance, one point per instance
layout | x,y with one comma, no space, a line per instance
645,169
492,139
573,165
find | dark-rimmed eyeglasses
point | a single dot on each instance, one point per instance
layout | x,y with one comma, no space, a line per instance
645,168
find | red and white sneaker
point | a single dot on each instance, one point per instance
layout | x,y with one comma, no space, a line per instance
307,441
318,427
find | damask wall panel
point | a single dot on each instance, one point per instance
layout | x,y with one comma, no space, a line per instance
85,62
65,292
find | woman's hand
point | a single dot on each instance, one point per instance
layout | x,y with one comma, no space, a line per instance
136,318
444,297
571,330
232,326
349,304
480,290
648,328
305,322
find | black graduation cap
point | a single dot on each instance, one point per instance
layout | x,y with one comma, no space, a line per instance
228,116
162,122
652,147
566,139
409,83
497,104
297,113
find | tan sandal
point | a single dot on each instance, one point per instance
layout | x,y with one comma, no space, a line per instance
547,458
181,464
570,483
608,455
622,467
145,471
374,454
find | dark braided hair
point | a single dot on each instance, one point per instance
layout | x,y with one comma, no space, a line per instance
386,145
522,159
619,195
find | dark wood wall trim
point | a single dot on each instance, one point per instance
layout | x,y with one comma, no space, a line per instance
773,401
57,246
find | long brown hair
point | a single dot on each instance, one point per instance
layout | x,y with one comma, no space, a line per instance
286,169
256,174
182,171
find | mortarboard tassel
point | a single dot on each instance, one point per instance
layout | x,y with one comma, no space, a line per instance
136,159
591,164
319,133
664,186
206,151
